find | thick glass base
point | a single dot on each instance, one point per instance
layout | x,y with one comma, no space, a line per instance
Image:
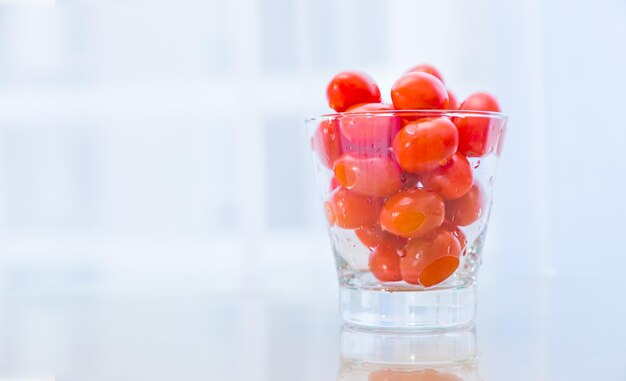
408,310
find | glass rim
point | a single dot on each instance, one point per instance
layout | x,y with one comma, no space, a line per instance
416,112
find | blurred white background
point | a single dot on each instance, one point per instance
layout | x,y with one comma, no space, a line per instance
160,145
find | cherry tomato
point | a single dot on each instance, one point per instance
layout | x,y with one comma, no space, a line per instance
369,135
478,134
431,259
419,91
349,210
375,236
467,209
412,213
452,179
326,141
453,103
458,233
421,145
334,184
384,264
369,176
426,68
350,88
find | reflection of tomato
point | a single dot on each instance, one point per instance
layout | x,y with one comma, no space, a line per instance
431,259
326,141
411,375
467,209
350,88
478,135
451,180
421,145
373,176
369,135
334,184
349,210
411,213
384,264
418,90
426,68
375,236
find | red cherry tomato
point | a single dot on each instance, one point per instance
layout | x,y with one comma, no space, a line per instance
419,91
350,88
431,259
375,236
369,176
412,213
467,209
478,135
369,135
334,184
426,68
421,145
326,141
453,103
349,210
384,264
451,180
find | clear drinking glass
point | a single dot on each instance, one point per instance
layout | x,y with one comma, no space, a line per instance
449,355
407,196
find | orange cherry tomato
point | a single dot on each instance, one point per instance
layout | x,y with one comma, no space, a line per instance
426,68
349,210
467,209
384,264
452,179
419,91
369,135
326,141
369,176
375,236
422,145
453,103
478,135
350,88
412,213
431,259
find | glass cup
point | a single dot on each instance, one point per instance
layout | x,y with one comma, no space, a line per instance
448,355
407,196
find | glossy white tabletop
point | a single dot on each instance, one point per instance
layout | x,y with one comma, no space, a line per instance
527,329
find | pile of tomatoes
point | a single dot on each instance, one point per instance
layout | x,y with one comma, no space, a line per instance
402,180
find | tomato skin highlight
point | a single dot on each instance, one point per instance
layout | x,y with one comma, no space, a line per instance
369,176
421,145
350,210
452,179
326,142
426,68
431,259
419,91
478,135
467,209
412,213
384,263
350,88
